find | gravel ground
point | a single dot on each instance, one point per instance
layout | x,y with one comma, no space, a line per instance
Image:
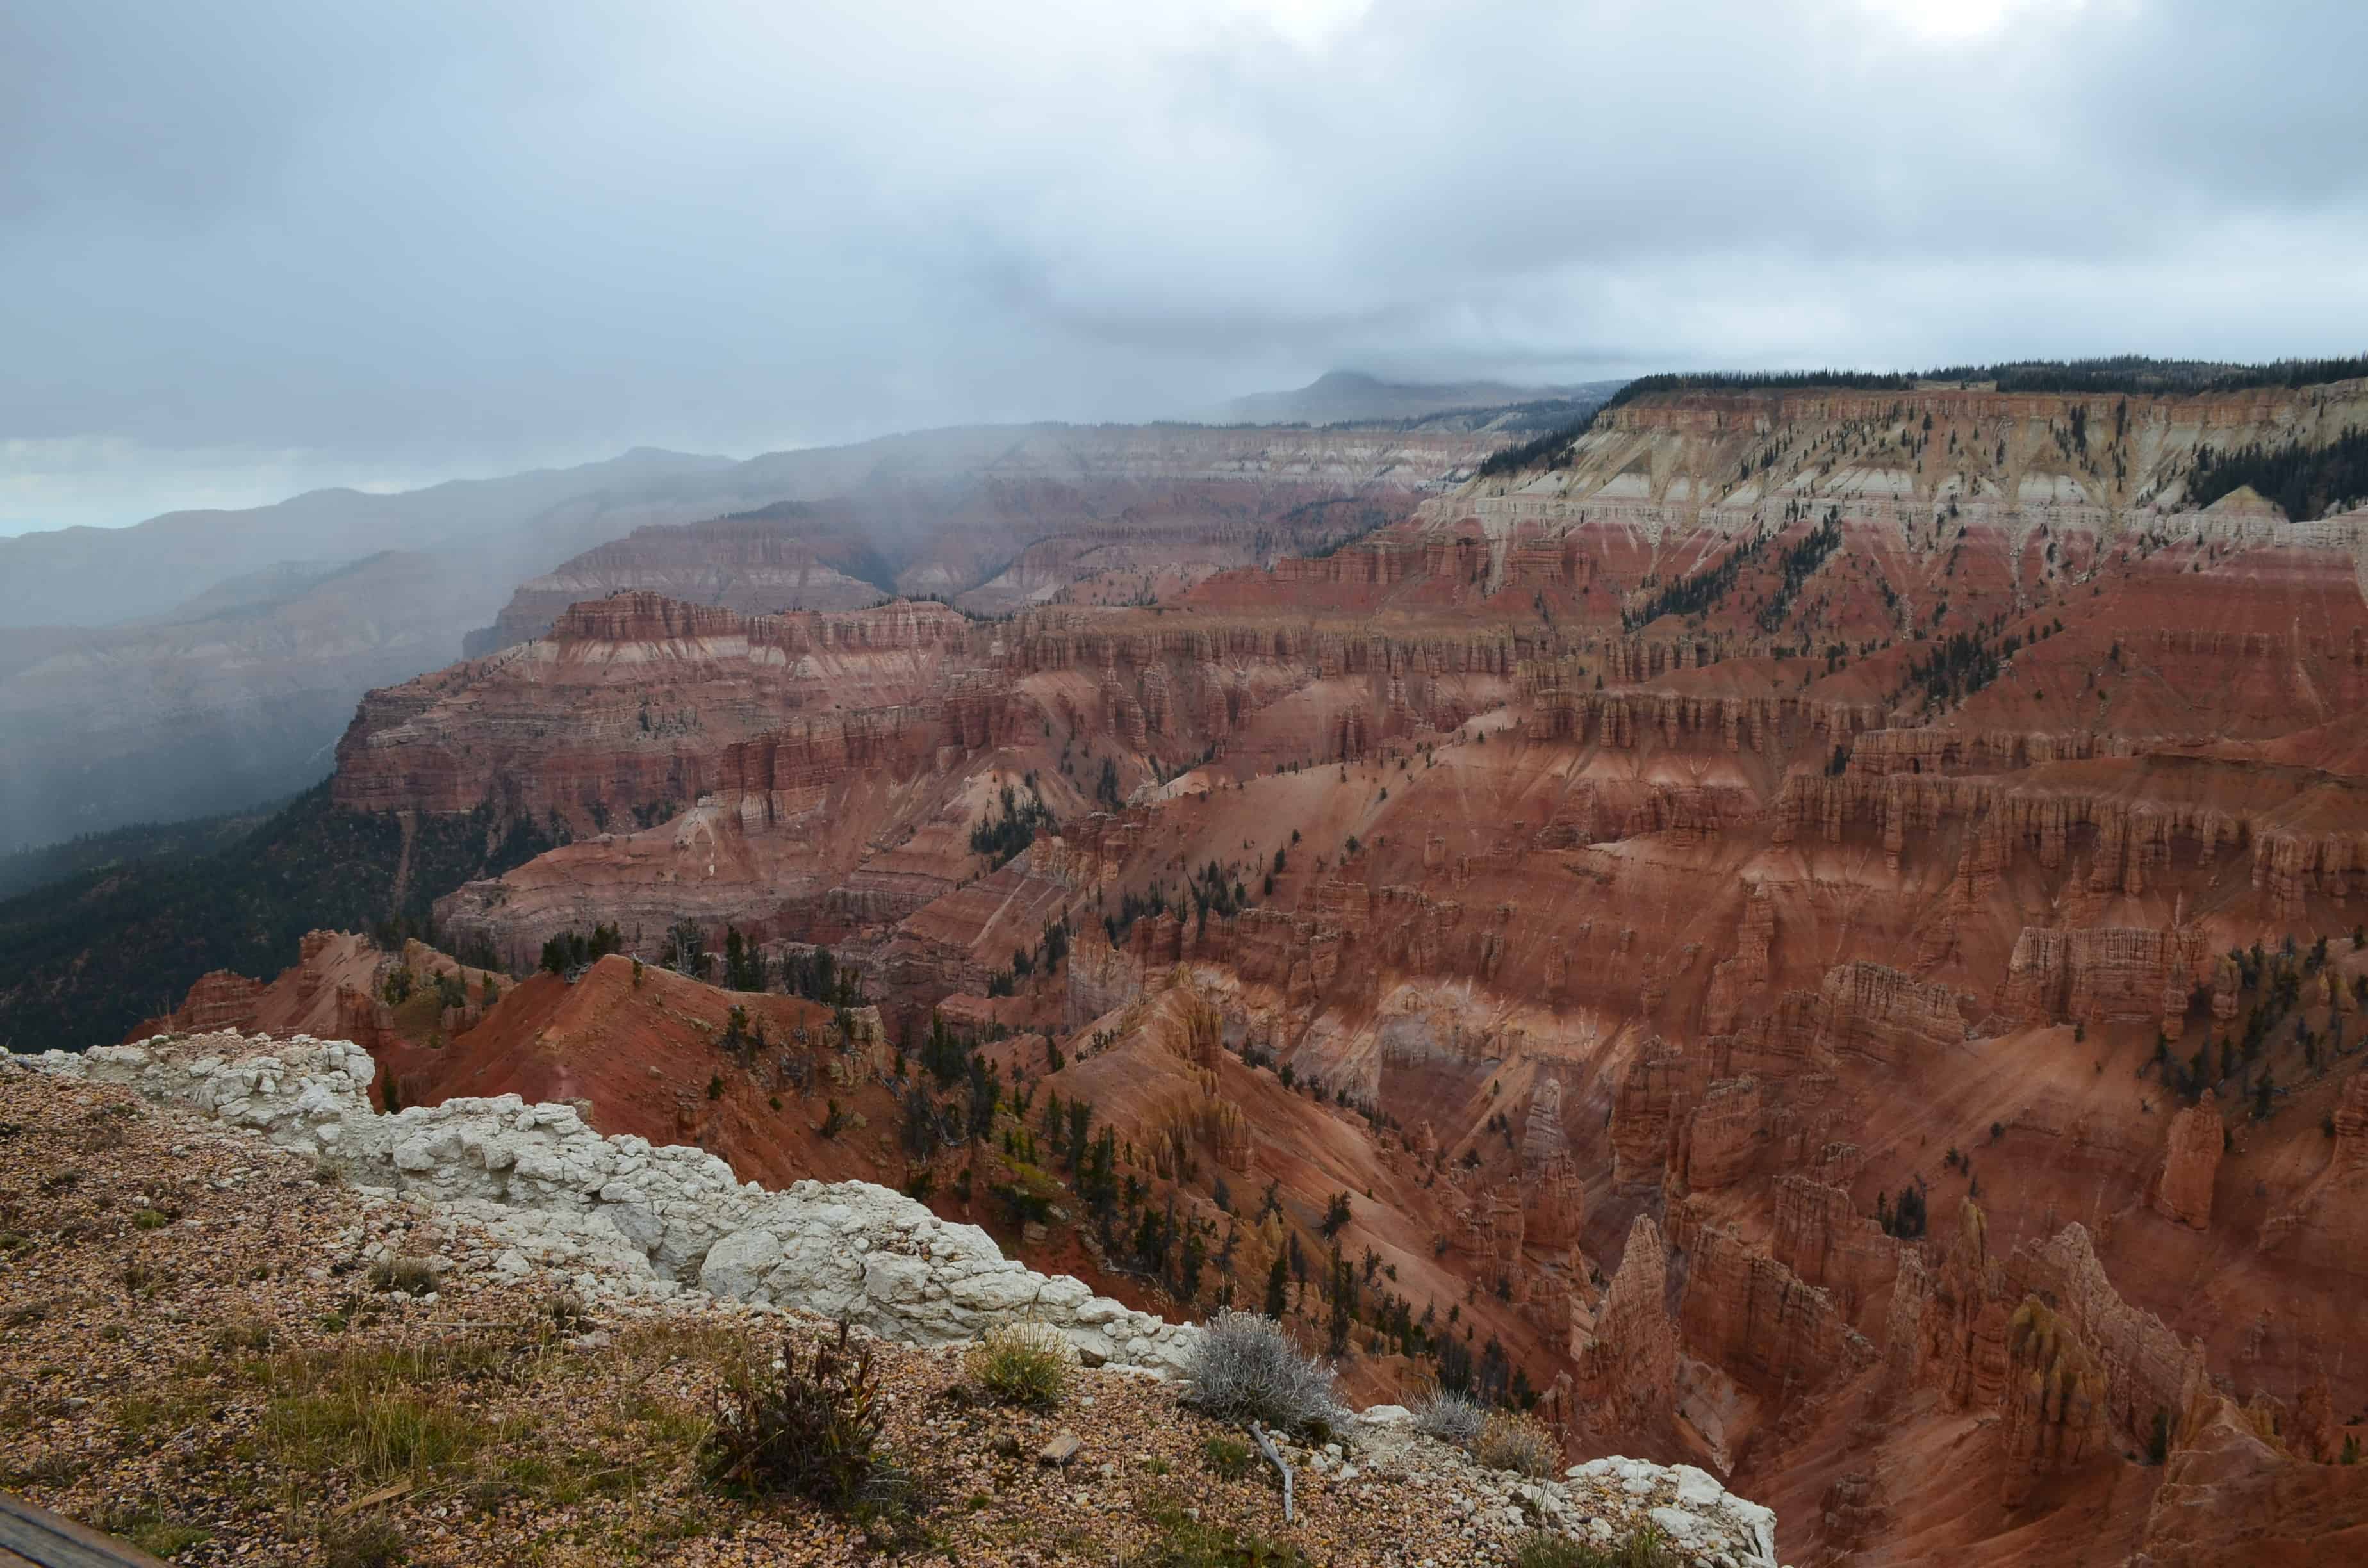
195,1353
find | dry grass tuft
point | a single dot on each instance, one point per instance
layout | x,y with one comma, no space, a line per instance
362,1543
568,1311
410,1276
1648,1548
1522,1444
249,1334
1021,1364
1185,1540
378,1411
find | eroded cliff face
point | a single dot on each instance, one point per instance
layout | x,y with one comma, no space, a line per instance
1818,1005
786,557
1102,514
2037,487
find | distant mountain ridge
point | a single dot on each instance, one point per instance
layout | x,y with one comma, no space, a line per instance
202,661
1349,396
86,577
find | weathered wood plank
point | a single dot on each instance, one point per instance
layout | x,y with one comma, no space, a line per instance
36,1536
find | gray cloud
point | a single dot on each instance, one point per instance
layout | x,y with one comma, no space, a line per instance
268,242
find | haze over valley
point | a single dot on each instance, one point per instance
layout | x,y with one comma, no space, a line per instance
1336,782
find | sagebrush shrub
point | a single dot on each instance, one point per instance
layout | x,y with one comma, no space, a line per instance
1021,1364
1522,1444
1451,1417
1244,1367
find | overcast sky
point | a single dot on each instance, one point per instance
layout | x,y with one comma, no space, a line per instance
251,246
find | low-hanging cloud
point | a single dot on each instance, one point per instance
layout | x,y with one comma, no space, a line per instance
390,244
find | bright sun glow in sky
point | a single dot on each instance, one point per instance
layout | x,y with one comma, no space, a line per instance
1315,23
1960,22
1310,24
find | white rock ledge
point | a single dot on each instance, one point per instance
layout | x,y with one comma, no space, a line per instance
841,1249
655,1222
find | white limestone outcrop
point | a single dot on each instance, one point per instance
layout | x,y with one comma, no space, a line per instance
841,1249
1601,1503
529,1188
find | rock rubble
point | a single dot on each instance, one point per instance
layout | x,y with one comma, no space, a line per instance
1600,1502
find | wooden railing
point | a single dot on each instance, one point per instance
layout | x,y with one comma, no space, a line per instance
37,1537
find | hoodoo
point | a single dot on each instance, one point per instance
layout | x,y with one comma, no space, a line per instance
1728,921
1593,961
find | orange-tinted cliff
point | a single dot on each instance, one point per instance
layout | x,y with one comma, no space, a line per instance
1827,939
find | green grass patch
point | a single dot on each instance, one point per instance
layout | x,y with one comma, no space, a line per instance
154,1532
370,1434
378,1413
1647,1548
1185,1542
144,1414
1229,1458
1021,1364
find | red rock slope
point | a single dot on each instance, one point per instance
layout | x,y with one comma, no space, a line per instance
1752,915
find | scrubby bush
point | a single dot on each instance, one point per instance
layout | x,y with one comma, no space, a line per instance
568,1311
1024,1363
1244,1367
411,1276
808,1426
1449,1416
1520,1443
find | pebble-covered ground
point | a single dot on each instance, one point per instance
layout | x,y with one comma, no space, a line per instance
212,1349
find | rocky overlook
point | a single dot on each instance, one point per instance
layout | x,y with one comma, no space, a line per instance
527,1279
1811,935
